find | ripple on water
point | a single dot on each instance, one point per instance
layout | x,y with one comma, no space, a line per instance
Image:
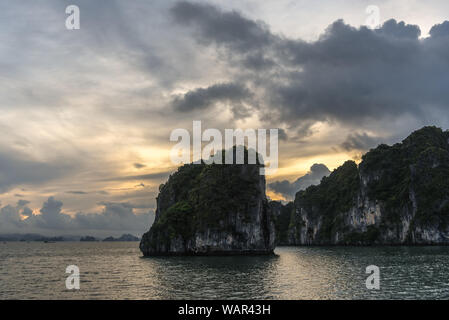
116,271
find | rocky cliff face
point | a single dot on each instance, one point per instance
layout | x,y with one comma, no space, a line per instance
397,195
212,209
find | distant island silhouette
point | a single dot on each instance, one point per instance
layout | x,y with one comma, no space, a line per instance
41,238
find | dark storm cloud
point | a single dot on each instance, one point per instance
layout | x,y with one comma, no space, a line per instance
440,30
224,28
350,75
313,177
282,135
10,219
399,30
203,98
115,216
258,62
127,205
139,165
22,202
77,192
359,141
51,216
149,176
27,212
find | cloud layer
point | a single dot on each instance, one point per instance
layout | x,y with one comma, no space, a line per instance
115,219
288,189
352,76
87,114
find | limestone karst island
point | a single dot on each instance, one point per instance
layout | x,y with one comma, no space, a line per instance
212,209
396,195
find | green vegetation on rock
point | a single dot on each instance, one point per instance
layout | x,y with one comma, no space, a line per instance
215,203
406,186
330,199
283,218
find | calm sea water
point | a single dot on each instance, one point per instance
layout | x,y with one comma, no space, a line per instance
117,271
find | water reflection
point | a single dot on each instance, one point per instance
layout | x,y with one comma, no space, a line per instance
234,277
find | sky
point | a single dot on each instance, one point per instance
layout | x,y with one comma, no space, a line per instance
86,114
